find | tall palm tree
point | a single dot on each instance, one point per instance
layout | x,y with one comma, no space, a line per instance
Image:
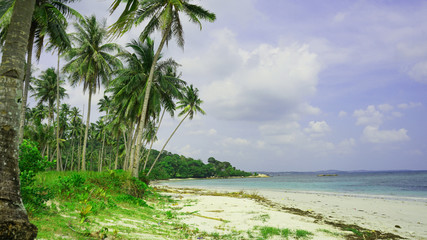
48,19
104,106
62,130
91,62
76,125
14,223
190,105
45,90
127,93
163,15
60,45
169,93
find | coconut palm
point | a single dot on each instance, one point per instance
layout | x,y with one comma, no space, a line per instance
190,105
76,125
104,106
14,223
127,93
163,15
169,92
45,90
91,62
60,45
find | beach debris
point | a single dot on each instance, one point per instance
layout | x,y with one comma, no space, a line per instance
397,226
212,218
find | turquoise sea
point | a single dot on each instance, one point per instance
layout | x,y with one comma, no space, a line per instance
384,183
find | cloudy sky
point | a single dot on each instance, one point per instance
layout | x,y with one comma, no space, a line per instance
300,85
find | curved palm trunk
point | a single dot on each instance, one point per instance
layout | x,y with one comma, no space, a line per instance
134,169
166,143
27,77
14,222
152,141
58,152
86,132
133,145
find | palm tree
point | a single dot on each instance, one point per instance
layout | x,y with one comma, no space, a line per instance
76,126
170,92
60,45
14,223
104,106
62,129
45,90
127,93
190,105
164,16
48,19
90,62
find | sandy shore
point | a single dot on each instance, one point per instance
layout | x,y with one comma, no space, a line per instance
406,217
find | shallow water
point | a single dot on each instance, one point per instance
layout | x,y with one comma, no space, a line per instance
397,184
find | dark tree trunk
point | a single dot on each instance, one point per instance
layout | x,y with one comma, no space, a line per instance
14,223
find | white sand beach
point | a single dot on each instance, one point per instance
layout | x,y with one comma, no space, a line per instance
404,217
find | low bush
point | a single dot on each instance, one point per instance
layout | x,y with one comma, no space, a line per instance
30,163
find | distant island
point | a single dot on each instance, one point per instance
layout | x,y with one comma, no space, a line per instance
177,166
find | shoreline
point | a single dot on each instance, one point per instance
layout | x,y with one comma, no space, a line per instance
403,217
210,178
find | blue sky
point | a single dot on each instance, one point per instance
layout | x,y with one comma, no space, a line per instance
301,85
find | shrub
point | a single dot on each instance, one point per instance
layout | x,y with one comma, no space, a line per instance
30,163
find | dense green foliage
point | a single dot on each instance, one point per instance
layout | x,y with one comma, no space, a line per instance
30,163
176,166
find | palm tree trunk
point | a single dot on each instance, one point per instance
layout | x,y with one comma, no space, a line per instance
134,170
86,131
133,145
14,222
72,153
101,158
49,123
157,158
116,162
126,149
152,141
27,78
79,151
58,152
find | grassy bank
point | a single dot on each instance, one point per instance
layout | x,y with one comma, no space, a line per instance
92,205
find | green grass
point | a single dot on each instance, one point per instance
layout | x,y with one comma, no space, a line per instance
302,234
266,232
93,205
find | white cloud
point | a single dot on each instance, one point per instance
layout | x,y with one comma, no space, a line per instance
264,82
275,128
419,72
210,132
409,105
385,107
397,114
339,17
342,114
374,135
370,116
187,150
317,128
229,141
